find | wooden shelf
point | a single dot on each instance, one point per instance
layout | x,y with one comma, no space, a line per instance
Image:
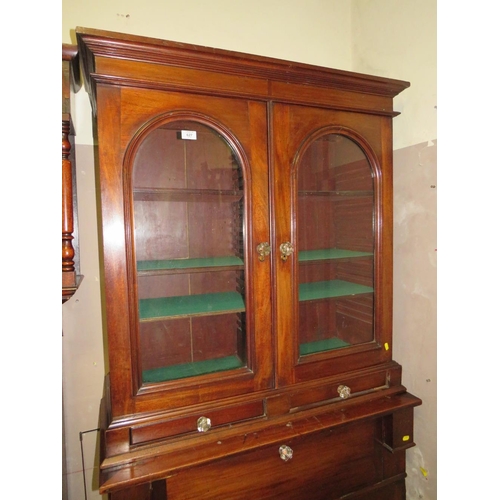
330,289
227,302
145,267
193,369
190,305
186,195
230,302
330,254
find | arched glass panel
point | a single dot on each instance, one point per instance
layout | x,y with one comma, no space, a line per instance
336,245
189,245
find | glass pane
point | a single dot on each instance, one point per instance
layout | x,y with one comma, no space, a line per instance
336,242
188,230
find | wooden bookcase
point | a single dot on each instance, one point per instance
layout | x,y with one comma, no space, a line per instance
246,228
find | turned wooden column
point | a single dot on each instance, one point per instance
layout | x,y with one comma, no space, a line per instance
68,252
70,77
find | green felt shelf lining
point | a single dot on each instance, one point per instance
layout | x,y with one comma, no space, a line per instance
330,289
193,369
228,261
330,253
322,345
229,302
190,305
186,370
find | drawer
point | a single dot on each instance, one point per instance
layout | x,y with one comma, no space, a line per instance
218,417
325,394
331,462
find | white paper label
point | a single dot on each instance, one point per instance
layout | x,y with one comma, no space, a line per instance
188,134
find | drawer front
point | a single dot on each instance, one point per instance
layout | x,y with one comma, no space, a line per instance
325,394
325,464
189,424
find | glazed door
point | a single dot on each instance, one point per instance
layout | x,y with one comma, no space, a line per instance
198,297
329,260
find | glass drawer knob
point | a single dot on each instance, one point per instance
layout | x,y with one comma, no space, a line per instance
204,424
286,453
344,391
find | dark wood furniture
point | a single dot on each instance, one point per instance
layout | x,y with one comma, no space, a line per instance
70,79
246,228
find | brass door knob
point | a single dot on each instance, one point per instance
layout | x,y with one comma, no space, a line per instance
286,250
263,249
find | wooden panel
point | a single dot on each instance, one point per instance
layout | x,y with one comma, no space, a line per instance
354,224
155,76
318,271
359,271
140,492
392,489
160,161
333,98
326,464
316,224
148,491
154,286
184,340
211,229
165,343
385,490
316,321
398,430
354,176
216,337
160,230
354,320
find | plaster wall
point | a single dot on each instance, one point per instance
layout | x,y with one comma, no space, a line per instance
415,299
397,38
